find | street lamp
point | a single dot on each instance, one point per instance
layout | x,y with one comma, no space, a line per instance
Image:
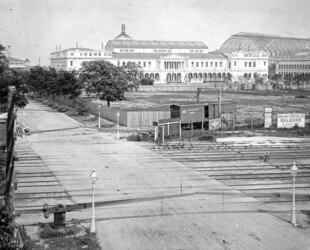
93,177
294,171
99,109
117,116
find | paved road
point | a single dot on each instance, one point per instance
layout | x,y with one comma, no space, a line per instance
144,200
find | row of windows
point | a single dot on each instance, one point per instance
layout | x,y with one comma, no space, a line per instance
126,50
87,54
161,50
250,64
294,66
206,64
142,64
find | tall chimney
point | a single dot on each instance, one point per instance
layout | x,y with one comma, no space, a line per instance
101,46
56,47
39,61
59,47
77,45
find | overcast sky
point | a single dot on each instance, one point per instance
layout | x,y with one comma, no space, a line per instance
34,27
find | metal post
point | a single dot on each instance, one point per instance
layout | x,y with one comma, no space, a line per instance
220,108
163,132
168,128
118,116
180,128
93,226
251,122
99,122
293,209
192,128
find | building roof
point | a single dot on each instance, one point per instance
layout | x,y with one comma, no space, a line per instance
157,44
14,60
158,55
300,55
277,46
70,49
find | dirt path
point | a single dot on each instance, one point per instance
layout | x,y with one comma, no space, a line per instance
174,207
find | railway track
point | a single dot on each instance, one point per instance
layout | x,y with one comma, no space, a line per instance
242,166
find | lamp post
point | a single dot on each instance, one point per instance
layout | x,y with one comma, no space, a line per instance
117,116
93,177
99,109
294,171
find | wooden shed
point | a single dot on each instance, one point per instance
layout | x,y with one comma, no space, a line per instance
199,114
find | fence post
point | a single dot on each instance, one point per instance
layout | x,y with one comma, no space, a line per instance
163,132
180,129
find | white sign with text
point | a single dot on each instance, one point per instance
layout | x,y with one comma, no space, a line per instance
291,120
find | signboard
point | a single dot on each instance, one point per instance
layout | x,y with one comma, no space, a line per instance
192,113
268,117
291,120
214,124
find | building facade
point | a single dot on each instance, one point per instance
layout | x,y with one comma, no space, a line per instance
295,64
169,61
72,59
18,64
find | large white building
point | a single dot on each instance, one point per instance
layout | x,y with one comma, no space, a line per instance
169,61
71,59
294,64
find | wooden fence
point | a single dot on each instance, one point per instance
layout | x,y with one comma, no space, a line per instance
128,118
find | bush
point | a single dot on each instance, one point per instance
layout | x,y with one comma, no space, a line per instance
207,137
147,81
134,137
82,110
6,229
49,232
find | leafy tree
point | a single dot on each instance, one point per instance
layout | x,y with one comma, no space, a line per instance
4,65
37,79
258,78
70,86
105,80
9,77
18,79
288,78
275,81
133,71
51,82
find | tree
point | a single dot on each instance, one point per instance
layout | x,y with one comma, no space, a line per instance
288,80
37,79
258,78
275,81
133,71
70,86
9,77
105,80
4,64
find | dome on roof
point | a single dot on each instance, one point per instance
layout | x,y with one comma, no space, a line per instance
123,36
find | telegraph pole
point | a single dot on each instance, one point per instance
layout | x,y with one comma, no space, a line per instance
220,108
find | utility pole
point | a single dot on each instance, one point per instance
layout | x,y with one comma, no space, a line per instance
220,107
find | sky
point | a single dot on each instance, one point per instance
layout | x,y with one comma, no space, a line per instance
33,28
